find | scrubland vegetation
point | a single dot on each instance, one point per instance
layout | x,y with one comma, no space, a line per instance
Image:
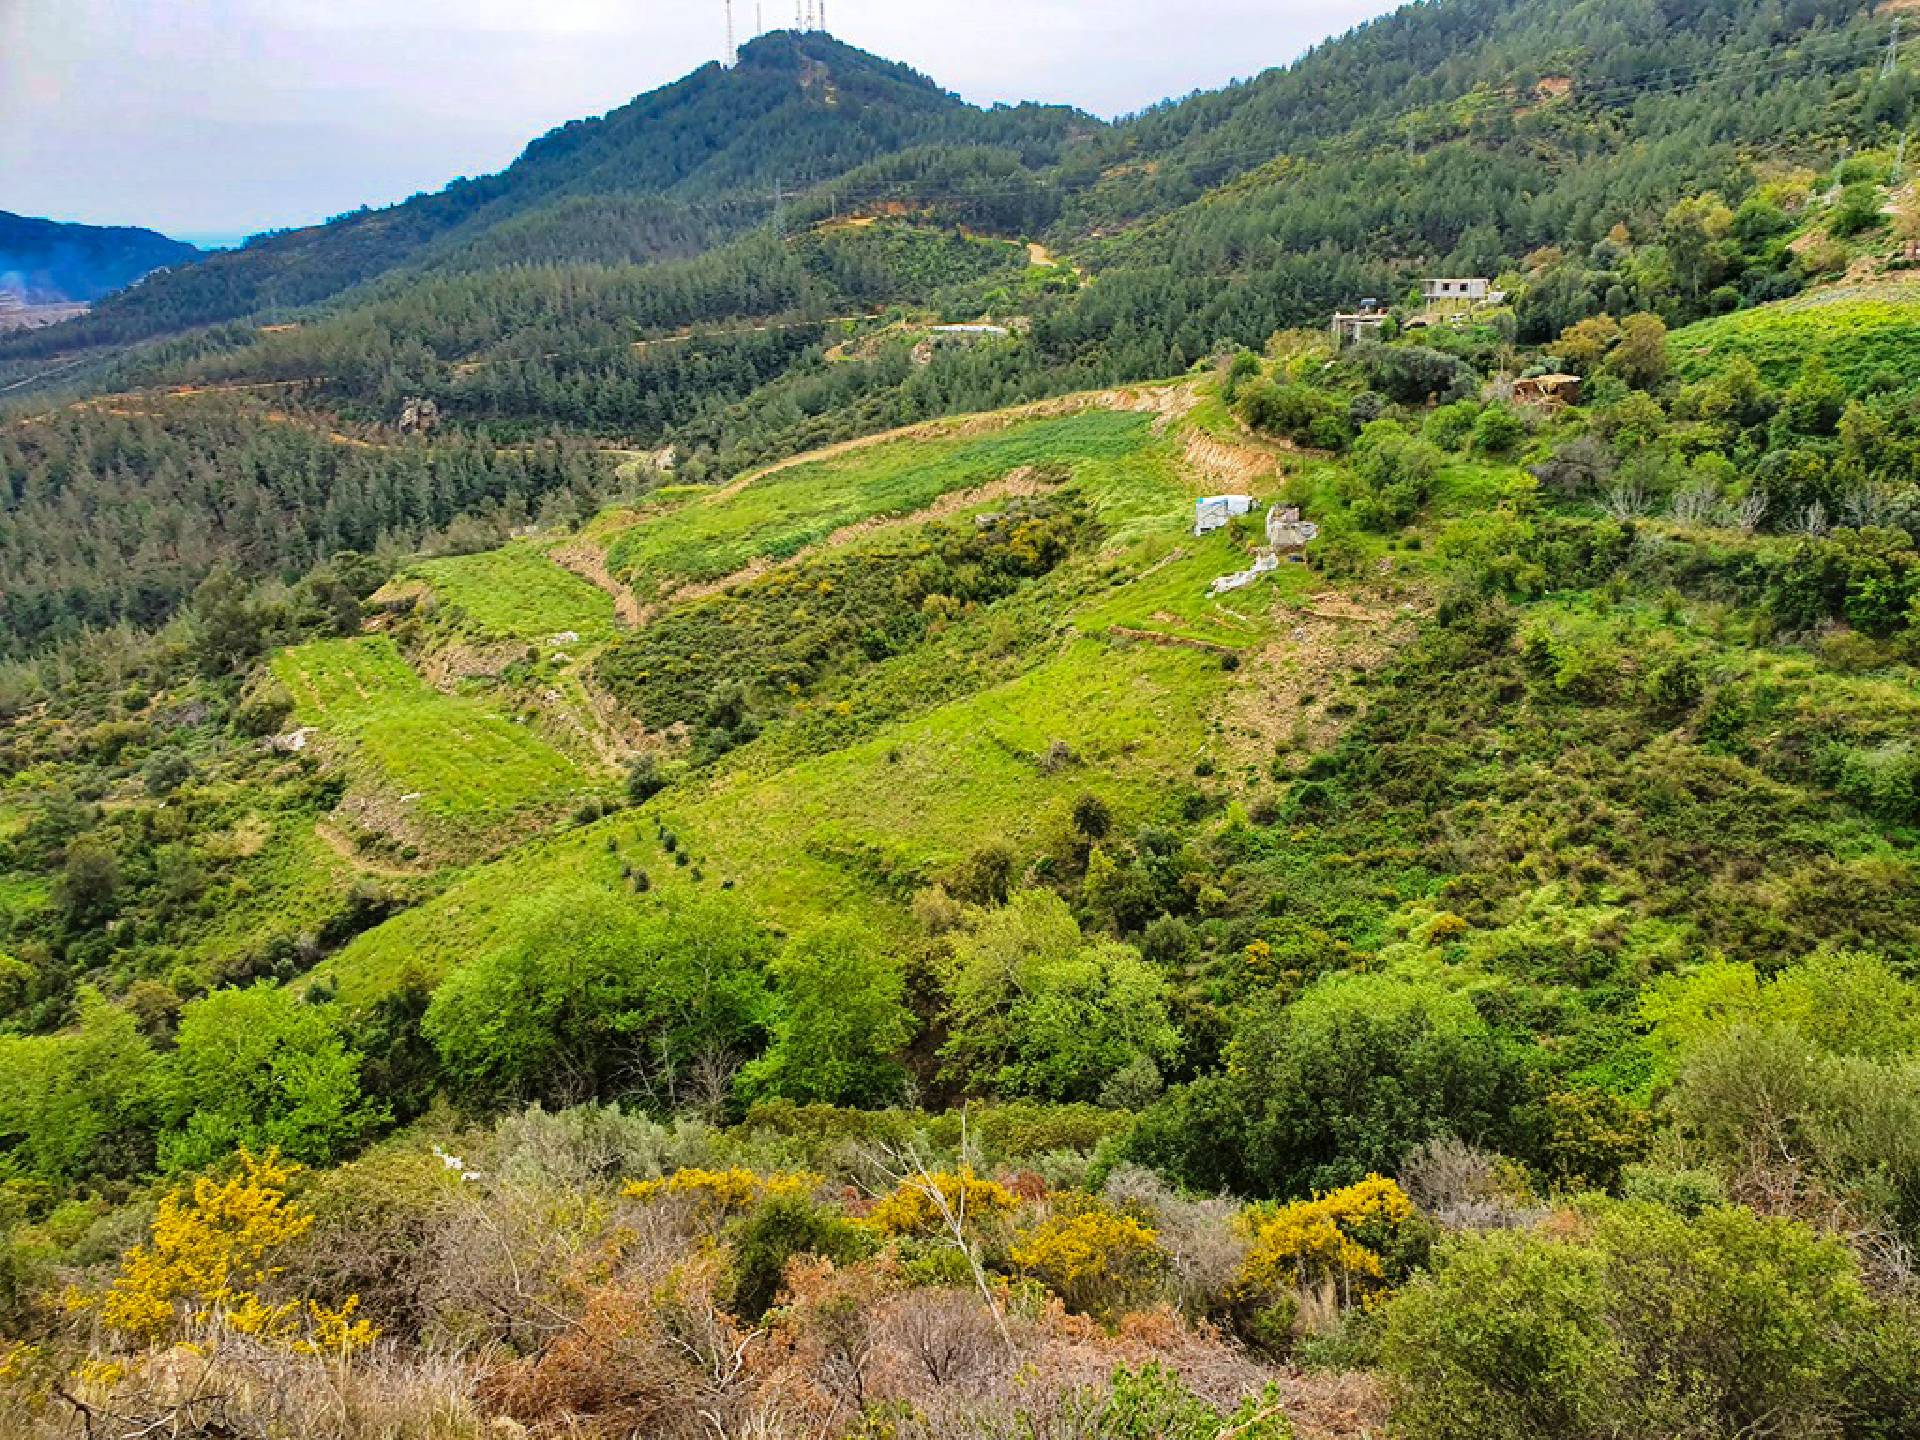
872,946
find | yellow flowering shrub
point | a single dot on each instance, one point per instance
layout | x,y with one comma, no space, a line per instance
914,1207
724,1192
1094,1260
208,1254
1332,1237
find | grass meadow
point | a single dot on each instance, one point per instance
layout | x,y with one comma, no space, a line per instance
460,758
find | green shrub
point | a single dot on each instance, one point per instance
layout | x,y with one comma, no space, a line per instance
1353,1075
779,1228
1506,1336
1643,1325
1395,472
1303,414
261,1068
588,984
1497,430
1037,1009
1451,426
1685,1192
1151,1403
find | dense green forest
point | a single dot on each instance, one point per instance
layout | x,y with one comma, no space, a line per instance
629,809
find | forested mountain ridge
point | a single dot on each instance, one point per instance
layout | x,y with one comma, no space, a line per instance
538,307
48,262
1691,84
674,172
788,874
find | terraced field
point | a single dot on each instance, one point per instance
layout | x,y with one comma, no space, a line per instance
854,831
800,505
452,756
517,593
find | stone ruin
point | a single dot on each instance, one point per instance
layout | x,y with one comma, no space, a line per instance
1287,536
419,417
1287,533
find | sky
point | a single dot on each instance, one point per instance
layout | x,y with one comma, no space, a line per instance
216,118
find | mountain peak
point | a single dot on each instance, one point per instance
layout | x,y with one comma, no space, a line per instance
799,50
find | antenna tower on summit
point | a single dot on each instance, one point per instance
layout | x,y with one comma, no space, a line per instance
728,58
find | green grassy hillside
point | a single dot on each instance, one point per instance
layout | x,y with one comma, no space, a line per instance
894,769
516,593
1529,867
455,762
1861,332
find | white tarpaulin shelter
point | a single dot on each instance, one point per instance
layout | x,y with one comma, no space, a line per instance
1214,511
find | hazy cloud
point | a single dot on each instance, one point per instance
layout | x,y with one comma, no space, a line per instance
229,115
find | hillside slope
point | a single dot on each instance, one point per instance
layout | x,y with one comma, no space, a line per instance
1525,863
623,845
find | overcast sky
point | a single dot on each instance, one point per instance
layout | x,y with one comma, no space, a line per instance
210,117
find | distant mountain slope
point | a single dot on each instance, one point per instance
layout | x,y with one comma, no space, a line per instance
666,176
46,262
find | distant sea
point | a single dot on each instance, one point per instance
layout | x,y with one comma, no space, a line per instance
213,239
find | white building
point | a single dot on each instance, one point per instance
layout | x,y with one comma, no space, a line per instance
1473,291
1215,511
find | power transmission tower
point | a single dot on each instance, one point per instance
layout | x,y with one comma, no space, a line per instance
1893,50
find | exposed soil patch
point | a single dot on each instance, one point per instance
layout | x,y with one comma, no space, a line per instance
446,666
589,562
1160,637
1223,466
1289,697
337,840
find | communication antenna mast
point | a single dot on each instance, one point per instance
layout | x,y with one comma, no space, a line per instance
820,13
727,59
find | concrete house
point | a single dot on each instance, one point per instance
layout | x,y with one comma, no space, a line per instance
1287,533
1363,323
1477,290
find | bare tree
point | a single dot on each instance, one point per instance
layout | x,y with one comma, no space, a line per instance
1745,515
1879,504
1696,505
1625,500
943,1333
907,1167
